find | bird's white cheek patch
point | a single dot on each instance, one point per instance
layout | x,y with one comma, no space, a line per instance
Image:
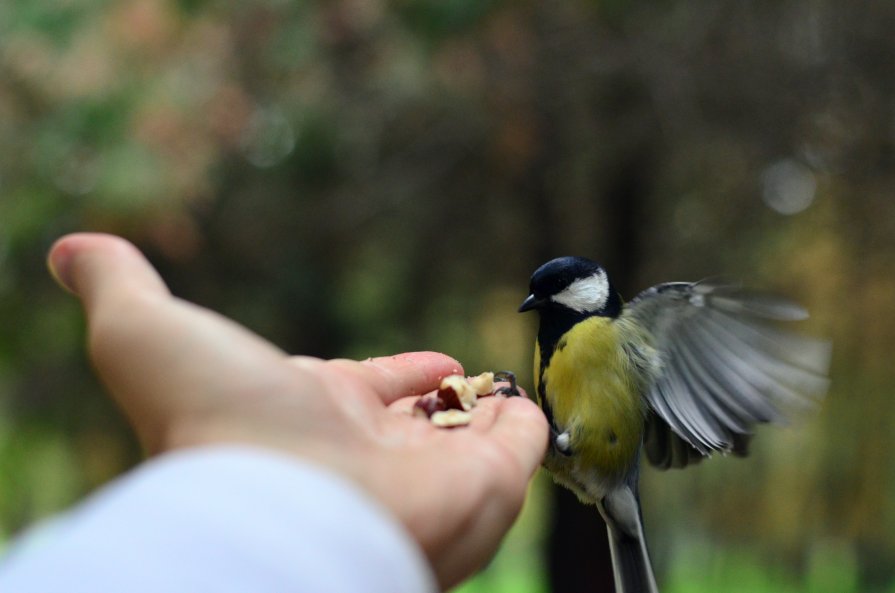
585,295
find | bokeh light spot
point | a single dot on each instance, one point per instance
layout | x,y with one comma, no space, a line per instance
788,186
268,138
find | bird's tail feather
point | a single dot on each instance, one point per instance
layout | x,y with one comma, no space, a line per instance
630,559
631,563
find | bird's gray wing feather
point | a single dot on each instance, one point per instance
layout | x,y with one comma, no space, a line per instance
724,365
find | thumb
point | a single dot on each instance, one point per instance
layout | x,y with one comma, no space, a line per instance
96,266
161,359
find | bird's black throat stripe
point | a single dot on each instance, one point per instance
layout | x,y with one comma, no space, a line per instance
542,399
554,325
553,328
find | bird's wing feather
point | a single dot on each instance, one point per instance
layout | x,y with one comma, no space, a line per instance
724,367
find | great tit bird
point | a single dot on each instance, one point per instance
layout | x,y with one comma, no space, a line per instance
683,370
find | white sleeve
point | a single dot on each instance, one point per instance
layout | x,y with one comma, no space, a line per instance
222,520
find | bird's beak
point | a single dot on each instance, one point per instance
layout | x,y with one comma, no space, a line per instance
531,302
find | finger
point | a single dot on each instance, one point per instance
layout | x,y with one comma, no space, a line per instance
485,413
308,363
95,266
516,431
521,428
411,373
161,359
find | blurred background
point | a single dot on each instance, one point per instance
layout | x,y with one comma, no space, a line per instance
360,177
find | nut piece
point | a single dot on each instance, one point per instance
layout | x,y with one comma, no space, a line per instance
457,393
456,396
428,405
483,384
450,418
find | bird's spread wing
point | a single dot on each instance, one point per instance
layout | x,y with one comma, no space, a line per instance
725,365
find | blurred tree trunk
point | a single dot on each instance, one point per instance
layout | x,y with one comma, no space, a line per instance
579,549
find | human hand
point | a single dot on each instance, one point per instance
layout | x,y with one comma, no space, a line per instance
185,376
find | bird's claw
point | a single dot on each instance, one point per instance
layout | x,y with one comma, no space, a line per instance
510,377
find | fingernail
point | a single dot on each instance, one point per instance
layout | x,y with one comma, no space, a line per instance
58,262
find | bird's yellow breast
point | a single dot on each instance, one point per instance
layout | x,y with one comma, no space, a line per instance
593,391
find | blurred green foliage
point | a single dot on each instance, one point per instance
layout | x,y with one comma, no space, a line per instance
357,177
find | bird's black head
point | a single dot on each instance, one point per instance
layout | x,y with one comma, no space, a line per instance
573,287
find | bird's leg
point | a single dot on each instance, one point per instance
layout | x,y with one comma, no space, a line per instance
510,377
